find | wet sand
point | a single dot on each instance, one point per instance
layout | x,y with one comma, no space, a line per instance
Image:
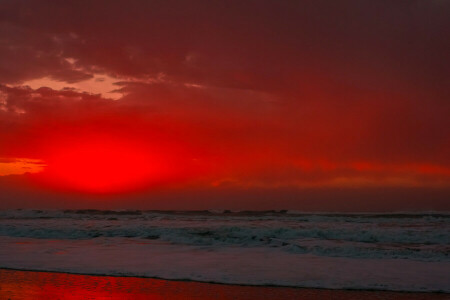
50,285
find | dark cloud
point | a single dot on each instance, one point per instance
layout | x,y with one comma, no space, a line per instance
244,44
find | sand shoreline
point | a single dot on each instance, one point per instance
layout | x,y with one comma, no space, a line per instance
33,284
213,282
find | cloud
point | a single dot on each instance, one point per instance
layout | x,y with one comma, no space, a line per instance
262,94
18,166
96,84
240,45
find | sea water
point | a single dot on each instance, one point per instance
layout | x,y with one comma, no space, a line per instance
395,251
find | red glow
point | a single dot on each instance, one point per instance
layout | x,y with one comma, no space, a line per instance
43,285
99,164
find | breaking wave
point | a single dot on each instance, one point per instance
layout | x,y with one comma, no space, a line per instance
414,236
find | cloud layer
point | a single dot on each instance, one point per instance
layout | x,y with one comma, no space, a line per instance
260,94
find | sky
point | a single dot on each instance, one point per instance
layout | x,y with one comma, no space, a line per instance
306,105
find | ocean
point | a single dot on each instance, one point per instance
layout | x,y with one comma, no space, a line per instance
391,251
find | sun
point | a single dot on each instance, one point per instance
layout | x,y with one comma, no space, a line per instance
101,164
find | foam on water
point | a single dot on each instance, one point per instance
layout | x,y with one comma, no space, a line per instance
411,242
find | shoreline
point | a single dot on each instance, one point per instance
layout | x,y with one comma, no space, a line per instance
37,284
219,283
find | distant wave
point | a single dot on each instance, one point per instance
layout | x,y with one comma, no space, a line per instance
22,213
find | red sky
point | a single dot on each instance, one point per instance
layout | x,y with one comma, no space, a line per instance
315,105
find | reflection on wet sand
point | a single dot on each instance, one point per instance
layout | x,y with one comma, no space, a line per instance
46,285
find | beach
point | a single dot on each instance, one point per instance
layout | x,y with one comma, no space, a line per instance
383,252
15,284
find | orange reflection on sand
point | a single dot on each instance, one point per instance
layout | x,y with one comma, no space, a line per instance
45,285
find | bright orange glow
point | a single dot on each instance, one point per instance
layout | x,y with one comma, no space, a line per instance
19,166
99,164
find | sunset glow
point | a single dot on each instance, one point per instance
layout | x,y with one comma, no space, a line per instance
291,97
19,166
107,165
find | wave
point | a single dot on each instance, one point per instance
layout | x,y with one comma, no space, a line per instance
336,235
291,214
229,265
397,251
